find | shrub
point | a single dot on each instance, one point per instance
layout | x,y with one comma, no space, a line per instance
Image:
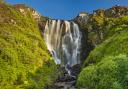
110,73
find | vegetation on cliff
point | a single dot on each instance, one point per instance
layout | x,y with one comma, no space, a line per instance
107,65
25,62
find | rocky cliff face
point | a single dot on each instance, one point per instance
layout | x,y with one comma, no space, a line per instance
94,26
107,34
101,31
41,20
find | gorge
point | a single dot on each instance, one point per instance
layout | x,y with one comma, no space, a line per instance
87,52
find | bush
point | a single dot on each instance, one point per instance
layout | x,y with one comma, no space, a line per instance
110,73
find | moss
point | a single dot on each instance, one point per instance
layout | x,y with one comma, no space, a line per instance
24,59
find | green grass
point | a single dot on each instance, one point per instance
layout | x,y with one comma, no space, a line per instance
24,59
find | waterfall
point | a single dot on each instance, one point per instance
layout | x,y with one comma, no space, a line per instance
63,39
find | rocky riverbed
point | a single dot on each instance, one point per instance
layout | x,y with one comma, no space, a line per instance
67,79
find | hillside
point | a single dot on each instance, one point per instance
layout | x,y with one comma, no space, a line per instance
25,62
106,66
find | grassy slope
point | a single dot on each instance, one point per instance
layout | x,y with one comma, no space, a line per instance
24,60
107,65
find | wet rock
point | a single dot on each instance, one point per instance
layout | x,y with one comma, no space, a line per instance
67,78
76,70
64,85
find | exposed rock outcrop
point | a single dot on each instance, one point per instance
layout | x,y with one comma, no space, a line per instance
94,26
41,20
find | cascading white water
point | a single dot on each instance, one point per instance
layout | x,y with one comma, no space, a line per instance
63,39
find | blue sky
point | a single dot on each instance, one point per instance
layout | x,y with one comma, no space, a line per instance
68,9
